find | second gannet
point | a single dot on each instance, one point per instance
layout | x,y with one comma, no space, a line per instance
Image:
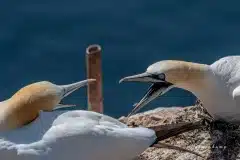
216,85
78,135
24,106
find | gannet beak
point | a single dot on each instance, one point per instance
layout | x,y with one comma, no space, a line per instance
68,89
154,91
158,88
60,106
143,77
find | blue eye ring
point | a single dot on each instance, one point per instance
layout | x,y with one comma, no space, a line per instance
161,76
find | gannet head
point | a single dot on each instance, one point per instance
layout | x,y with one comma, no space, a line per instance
165,75
24,106
45,95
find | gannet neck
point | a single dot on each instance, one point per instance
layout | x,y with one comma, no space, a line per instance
24,106
194,77
204,84
16,115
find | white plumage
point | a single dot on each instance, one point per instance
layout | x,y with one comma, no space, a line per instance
225,98
74,135
216,85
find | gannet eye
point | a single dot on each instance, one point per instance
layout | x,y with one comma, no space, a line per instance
161,76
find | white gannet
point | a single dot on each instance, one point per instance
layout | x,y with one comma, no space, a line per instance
78,135
63,135
24,106
216,85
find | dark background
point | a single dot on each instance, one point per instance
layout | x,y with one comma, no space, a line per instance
46,40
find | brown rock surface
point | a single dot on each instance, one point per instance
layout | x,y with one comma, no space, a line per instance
211,142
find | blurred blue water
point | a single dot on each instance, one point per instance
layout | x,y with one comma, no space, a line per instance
46,40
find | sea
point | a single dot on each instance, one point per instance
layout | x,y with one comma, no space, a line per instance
47,40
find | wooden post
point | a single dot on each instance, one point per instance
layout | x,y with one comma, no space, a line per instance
94,70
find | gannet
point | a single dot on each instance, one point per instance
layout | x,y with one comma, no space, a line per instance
24,106
78,135
217,85
63,135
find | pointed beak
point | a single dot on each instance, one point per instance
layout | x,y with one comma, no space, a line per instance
154,91
70,88
158,88
143,77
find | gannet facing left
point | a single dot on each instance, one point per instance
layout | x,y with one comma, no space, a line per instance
216,85
24,106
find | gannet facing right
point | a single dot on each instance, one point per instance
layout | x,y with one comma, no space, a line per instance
216,85
78,135
63,135
24,106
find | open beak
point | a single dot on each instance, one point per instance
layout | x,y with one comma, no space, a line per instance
154,91
158,88
70,88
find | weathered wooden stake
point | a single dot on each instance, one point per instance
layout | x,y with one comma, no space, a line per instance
94,70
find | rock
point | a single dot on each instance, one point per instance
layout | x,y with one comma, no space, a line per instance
214,143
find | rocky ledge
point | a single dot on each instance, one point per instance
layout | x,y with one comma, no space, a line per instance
214,141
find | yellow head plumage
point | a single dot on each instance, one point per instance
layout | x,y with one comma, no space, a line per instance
24,106
167,74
